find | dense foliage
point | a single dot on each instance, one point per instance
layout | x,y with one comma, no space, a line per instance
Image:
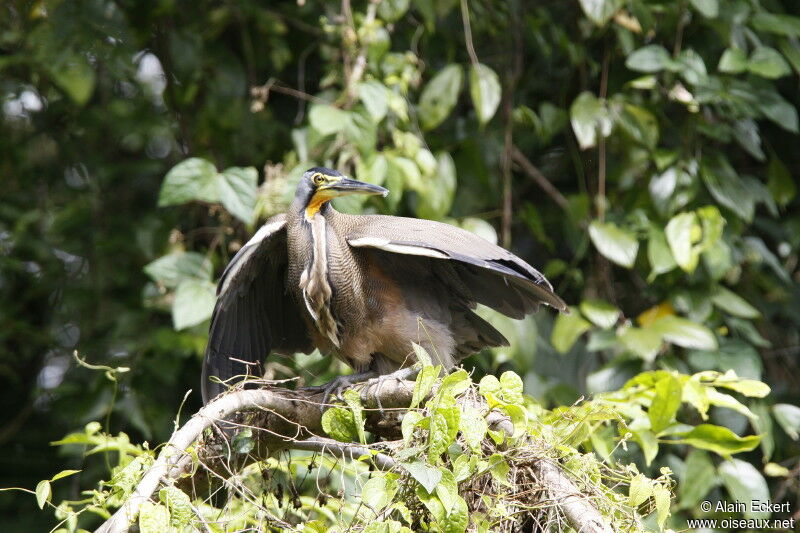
641,153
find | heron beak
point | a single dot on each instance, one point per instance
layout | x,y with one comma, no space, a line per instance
350,186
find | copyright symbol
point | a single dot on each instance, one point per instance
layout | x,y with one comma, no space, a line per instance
705,506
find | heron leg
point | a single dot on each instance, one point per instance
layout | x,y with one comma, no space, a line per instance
337,385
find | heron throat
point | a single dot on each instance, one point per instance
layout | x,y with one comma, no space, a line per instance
314,283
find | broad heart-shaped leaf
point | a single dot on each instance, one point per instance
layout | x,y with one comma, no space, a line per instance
374,95
768,63
733,61
667,400
171,269
700,477
237,192
601,313
379,491
685,333
618,245
650,58
589,116
745,484
639,490
439,96
707,8
426,475
193,303
600,11
663,499
327,119
788,416
682,232
733,304
190,180
153,518
567,329
484,87
339,423
179,505
718,439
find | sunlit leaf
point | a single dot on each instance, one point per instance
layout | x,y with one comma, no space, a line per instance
484,87
327,119
667,400
745,484
615,243
732,303
567,329
718,439
439,96
650,58
193,303
788,416
685,333
589,118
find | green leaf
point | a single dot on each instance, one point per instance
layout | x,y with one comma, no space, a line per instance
178,504
63,474
788,416
780,184
352,398
699,478
707,8
447,490
440,189
733,304
733,61
663,499
374,95
745,484
43,492
426,475
618,245
153,518
326,119
243,442
682,232
339,423
424,383
473,427
768,63
171,269
599,11
659,254
685,333
410,421
511,387
237,192
379,491
644,342
567,329
392,10
639,490
443,429
76,77
718,439
192,179
193,303
640,124
728,189
484,87
665,404
458,518
601,313
650,58
589,116
648,442
439,96
780,24
778,110
455,384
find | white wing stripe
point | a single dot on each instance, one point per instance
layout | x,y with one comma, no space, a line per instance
385,244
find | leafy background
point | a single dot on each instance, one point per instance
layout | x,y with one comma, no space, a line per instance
643,154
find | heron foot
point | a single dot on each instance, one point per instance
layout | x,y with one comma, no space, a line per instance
378,382
337,386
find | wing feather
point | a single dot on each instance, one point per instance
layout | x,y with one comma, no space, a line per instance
253,314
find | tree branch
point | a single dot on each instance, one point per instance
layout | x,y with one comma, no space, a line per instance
537,176
289,419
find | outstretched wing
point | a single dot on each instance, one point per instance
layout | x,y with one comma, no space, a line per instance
495,277
254,314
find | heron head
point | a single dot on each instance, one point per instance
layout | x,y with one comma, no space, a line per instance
320,185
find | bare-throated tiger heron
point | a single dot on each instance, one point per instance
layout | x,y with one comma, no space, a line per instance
362,287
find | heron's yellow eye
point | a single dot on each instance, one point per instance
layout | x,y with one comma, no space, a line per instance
319,179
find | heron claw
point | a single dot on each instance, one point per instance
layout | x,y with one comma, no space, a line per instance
338,385
378,382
